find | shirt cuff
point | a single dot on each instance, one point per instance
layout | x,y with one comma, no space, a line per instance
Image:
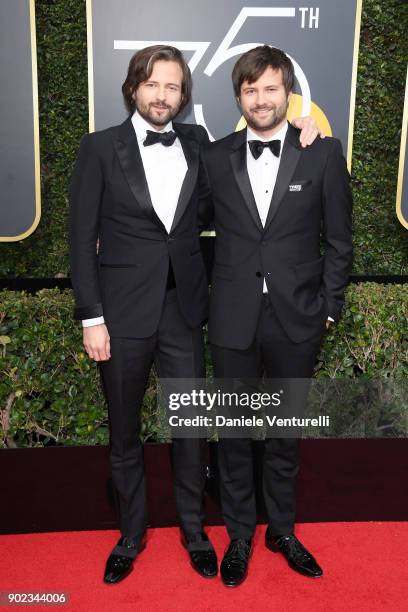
94,321
330,319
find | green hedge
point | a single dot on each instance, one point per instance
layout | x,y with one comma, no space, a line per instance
63,112
380,240
50,391
62,71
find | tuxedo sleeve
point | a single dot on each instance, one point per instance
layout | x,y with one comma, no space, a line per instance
337,229
85,195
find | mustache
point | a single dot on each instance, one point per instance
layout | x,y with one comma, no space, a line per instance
261,108
160,105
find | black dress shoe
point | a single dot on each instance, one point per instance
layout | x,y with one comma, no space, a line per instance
234,566
296,554
120,562
202,554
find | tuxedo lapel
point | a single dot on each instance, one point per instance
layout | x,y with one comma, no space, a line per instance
191,153
239,168
290,156
127,150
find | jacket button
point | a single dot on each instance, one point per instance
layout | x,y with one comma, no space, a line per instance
170,239
259,273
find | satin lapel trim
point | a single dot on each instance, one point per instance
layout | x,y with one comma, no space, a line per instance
191,153
240,170
290,157
132,166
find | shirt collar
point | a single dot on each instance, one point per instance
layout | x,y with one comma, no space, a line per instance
141,126
280,135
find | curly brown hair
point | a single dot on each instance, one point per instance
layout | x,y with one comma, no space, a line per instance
141,68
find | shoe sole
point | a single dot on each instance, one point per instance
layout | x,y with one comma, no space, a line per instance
233,586
237,584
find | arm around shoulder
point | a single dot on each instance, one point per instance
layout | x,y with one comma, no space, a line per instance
337,228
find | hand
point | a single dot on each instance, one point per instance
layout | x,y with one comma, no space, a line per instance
328,323
309,128
97,342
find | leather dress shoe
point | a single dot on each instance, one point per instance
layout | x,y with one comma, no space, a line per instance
298,558
202,554
120,562
234,566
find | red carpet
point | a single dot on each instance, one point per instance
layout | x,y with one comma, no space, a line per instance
365,569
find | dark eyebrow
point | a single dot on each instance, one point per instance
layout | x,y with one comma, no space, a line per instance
156,83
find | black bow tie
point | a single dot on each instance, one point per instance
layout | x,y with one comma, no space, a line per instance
257,147
166,138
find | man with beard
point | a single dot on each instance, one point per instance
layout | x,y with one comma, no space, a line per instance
143,297
273,294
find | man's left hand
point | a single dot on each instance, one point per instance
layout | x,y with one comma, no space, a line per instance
309,128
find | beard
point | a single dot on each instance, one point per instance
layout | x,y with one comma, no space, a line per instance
150,114
264,124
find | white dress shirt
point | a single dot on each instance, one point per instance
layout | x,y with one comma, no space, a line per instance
165,169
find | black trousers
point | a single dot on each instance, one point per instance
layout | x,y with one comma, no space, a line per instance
177,352
273,355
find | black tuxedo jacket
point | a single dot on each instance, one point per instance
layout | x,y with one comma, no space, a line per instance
110,201
311,204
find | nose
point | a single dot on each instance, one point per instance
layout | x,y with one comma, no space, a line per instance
260,98
161,94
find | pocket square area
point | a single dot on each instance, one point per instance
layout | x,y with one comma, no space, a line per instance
300,184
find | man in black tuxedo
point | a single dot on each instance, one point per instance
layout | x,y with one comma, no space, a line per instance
273,293
142,297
